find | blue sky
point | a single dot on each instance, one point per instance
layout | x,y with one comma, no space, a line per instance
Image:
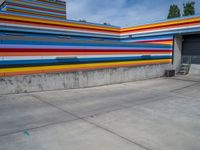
122,12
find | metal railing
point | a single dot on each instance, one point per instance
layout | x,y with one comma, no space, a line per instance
186,62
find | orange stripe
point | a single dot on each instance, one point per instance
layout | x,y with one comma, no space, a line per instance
161,42
59,23
168,24
98,30
172,22
79,69
159,27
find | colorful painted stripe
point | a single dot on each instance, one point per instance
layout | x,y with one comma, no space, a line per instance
20,53
78,67
168,27
75,60
164,39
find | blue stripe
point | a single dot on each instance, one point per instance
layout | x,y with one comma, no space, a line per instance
72,35
79,60
67,33
176,31
162,37
134,46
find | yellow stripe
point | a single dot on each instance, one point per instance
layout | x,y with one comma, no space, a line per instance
33,20
162,42
24,69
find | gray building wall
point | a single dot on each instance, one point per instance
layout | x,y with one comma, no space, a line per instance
177,55
79,79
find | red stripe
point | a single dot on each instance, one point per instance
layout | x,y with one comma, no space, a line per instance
79,50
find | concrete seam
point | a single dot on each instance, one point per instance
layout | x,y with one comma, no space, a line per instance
76,117
118,135
85,120
125,107
183,80
28,129
184,87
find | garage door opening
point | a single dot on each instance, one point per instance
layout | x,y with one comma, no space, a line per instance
190,52
191,45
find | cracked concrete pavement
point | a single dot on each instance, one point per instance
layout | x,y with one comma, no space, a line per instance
156,114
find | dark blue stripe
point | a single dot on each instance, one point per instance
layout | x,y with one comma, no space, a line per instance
87,44
78,60
64,33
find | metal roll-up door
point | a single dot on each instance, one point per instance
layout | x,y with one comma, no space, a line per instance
191,45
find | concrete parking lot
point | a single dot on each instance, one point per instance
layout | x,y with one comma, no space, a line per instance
156,114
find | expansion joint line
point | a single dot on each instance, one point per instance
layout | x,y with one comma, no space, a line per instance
94,124
185,87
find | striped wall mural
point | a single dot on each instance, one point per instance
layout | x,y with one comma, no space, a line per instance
31,55
185,25
30,45
10,23
173,26
36,8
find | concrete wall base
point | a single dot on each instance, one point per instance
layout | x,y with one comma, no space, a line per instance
177,56
195,69
80,79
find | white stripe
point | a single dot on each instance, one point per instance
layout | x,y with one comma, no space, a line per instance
161,30
77,56
55,29
77,47
146,40
61,29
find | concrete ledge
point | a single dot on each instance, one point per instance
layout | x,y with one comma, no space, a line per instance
80,79
195,69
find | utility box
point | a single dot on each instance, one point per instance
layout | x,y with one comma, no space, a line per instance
169,73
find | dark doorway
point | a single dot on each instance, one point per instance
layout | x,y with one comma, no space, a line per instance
191,45
191,48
